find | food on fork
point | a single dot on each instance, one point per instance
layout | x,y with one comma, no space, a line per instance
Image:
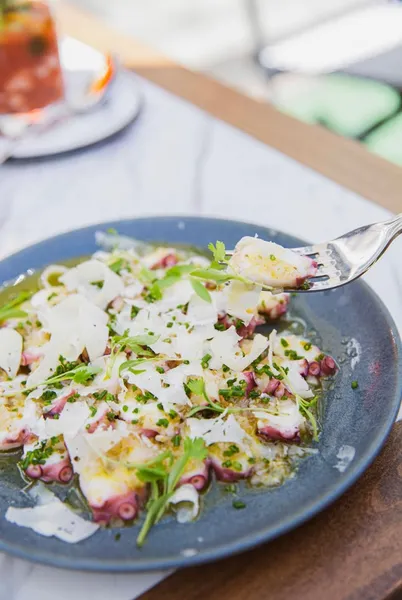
271,265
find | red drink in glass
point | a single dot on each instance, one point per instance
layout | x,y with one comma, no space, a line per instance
30,72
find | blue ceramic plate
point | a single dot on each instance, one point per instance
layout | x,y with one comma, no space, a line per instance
359,418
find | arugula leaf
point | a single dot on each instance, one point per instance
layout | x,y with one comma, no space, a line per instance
179,270
135,343
143,340
216,275
200,290
119,342
146,275
130,365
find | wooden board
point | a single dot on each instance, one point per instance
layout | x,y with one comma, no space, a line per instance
344,161
351,551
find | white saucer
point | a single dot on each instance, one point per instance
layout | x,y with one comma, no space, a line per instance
122,105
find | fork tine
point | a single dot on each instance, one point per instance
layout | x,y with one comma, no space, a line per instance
306,251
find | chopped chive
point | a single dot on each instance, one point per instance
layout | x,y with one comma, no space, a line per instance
354,385
176,440
238,504
230,488
205,361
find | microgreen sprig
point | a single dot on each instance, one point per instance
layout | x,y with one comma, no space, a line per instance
197,386
10,310
134,343
163,474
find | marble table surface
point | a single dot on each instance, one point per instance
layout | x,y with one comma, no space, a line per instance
175,159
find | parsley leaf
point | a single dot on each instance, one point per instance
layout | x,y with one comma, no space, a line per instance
218,251
197,386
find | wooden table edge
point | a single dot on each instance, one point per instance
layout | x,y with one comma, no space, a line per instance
350,165
344,161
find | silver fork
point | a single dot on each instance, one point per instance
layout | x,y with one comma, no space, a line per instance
347,257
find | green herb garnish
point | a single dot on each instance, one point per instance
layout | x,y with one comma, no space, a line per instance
163,474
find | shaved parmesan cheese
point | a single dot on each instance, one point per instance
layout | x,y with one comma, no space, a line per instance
133,290
226,351
74,324
40,299
200,312
93,329
191,344
269,264
217,430
10,350
186,502
99,486
175,378
295,382
72,418
242,300
271,345
224,345
345,456
213,383
179,293
32,419
88,447
287,418
84,277
51,271
297,344
53,518
149,379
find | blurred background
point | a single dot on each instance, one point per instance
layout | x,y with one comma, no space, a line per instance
333,62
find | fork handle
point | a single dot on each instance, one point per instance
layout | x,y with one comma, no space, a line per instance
394,227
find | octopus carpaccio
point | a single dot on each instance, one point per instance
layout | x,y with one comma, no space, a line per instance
141,376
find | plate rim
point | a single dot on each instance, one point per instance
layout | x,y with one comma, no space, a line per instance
354,472
137,103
